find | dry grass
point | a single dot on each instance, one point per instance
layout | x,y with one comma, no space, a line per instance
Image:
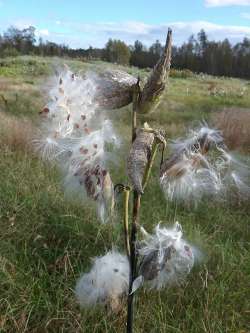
235,124
16,133
46,241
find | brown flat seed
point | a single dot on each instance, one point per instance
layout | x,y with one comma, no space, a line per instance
87,130
84,150
44,110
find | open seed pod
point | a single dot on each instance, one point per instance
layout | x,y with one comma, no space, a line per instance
164,258
98,186
138,158
200,140
79,140
107,199
202,166
156,83
188,175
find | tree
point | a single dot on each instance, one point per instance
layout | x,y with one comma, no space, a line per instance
203,40
117,51
22,40
156,48
28,39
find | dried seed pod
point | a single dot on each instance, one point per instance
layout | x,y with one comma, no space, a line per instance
106,200
151,266
138,158
191,171
173,166
165,258
114,89
156,83
76,146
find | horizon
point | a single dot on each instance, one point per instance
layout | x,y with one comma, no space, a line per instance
83,24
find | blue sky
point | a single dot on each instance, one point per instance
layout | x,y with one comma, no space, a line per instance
80,23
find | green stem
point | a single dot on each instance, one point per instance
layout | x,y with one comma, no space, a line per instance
150,164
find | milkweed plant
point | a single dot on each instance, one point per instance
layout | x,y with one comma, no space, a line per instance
77,136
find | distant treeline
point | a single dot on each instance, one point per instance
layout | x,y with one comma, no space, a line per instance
198,54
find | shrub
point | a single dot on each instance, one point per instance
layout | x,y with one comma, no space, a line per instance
9,52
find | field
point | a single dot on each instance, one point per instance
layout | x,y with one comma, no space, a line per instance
47,240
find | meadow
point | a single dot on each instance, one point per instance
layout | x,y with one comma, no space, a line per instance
47,239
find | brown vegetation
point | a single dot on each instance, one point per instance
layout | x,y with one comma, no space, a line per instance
15,133
235,125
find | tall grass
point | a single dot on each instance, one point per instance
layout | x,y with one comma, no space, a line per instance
47,240
235,125
16,133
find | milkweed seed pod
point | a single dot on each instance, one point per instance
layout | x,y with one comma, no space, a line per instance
76,138
200,140
114,89
98,186
165,258
107,201
138,158
155,85
106,283
187,174
201,166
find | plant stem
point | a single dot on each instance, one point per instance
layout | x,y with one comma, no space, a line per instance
136,95
133,261
136,208
126,230
150,164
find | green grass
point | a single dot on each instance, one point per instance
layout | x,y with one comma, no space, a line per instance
46,240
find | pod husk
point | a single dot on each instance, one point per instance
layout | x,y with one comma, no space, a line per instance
138,158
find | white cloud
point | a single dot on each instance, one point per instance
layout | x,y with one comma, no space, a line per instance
245,16
182,30
23,23
42,33
222,3
82,35
98,34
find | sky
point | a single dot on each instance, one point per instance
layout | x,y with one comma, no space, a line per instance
80,23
